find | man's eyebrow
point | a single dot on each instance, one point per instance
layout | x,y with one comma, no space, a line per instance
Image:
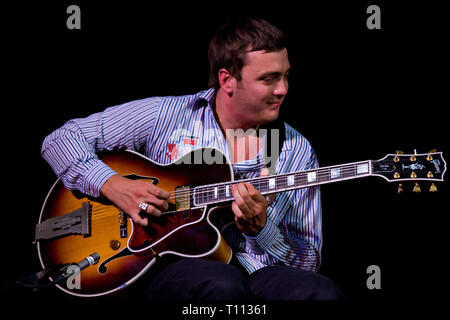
273,74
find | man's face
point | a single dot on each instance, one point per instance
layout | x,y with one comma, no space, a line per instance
263,86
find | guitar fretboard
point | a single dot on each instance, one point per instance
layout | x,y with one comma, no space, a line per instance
221,192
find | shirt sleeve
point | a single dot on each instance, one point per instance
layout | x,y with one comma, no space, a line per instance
72,149
296,241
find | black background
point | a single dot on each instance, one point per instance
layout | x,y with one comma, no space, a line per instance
355,94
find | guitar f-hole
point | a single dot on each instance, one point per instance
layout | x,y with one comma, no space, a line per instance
102,269
134,176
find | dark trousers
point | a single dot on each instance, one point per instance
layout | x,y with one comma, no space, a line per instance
202,279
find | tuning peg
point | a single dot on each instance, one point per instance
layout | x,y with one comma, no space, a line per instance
396,158
429,156
400,188
416,188
433,188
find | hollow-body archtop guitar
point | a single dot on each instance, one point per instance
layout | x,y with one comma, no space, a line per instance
72,226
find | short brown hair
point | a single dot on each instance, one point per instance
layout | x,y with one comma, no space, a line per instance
229,45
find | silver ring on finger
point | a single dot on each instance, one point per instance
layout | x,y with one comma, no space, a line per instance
143,206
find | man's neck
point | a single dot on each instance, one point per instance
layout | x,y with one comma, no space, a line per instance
244,144
225,114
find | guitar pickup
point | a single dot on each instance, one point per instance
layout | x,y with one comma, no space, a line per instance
75,222
182,198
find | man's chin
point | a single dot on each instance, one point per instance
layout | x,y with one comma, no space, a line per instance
272,115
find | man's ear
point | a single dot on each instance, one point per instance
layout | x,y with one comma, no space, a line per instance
226,81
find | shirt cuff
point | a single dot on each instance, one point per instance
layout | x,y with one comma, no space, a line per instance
264,239
96,177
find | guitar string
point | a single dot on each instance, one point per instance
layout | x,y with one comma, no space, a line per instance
97,214
261,182
111,213
113,216
321,172
264,180
205,190
350,168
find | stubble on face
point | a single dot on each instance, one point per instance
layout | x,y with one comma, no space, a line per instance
259,93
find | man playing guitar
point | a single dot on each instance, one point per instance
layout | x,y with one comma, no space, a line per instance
276,242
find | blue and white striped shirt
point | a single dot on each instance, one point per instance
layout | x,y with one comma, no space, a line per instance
165,128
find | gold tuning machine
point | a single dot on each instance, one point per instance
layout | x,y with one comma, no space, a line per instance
400,188
396,158
416,188
430,157
433,188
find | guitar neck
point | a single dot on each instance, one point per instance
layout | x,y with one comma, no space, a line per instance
221,192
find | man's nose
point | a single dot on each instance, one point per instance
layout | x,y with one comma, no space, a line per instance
281,89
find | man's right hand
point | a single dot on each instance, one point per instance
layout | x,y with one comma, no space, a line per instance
127,194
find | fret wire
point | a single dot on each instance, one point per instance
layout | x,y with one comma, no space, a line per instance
281,178
299,175
350,170
346,171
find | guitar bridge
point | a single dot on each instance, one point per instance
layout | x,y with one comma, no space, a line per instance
76,222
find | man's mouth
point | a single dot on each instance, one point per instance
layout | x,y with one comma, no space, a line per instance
275,104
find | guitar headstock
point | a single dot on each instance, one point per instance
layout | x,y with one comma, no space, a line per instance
414,167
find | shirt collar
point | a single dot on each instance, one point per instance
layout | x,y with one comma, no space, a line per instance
205,97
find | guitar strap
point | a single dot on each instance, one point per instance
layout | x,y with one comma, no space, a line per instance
274,129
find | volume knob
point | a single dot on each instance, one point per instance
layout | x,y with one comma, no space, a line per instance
114,244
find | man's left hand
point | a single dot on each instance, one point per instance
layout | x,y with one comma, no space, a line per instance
249,208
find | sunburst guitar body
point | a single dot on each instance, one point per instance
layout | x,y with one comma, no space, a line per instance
73,226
